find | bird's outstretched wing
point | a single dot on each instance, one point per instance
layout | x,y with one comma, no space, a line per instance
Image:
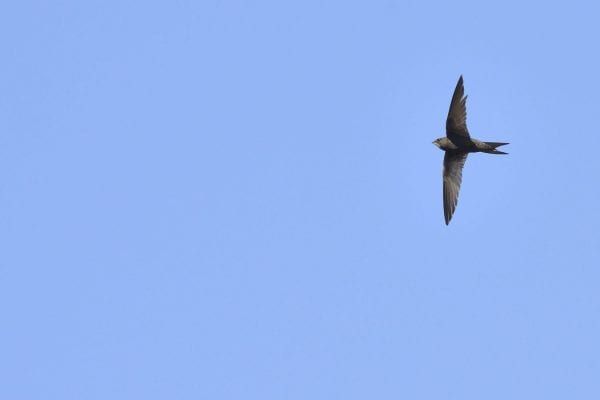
453,166
456,123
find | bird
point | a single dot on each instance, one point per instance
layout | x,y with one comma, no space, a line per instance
457,145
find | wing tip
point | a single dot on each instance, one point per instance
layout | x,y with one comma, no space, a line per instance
448,215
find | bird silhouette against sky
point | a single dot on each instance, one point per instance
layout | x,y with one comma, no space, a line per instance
457,145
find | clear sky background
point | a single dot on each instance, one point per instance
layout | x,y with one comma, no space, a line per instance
240,200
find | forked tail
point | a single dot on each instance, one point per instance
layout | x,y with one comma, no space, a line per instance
494,145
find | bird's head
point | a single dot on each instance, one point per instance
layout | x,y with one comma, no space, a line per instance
438,142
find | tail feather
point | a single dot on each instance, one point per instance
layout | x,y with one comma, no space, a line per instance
494,145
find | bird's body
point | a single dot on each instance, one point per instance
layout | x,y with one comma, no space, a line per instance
457,144
475,146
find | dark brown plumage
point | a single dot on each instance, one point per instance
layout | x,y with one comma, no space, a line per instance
457,144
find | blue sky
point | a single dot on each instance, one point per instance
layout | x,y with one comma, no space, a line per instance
240,200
